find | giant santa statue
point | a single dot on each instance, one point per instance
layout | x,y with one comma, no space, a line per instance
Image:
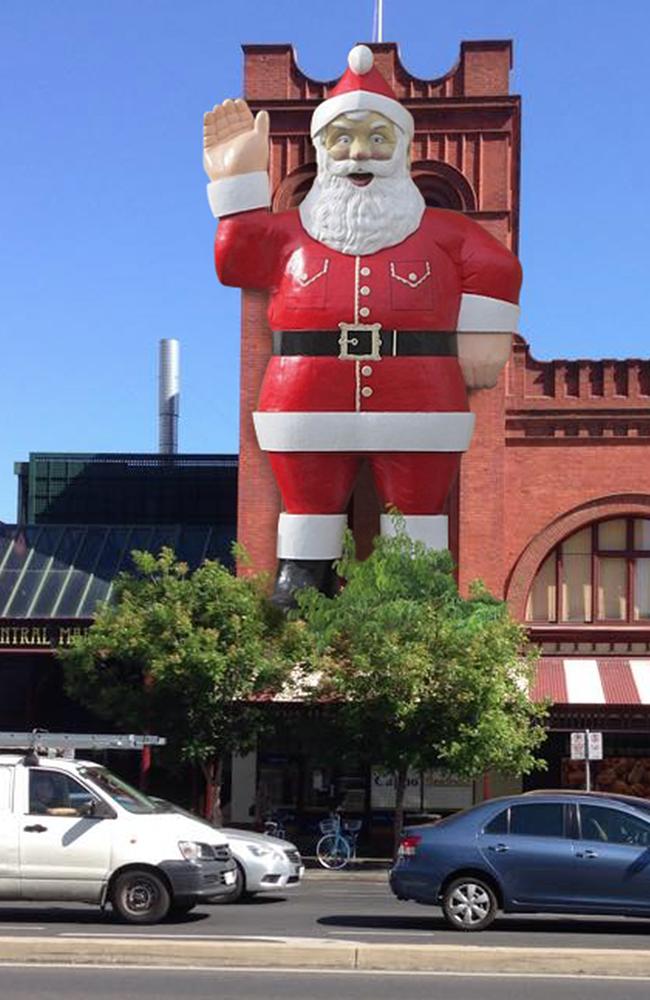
383,311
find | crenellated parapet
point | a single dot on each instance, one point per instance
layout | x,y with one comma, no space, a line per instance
580,401
483,69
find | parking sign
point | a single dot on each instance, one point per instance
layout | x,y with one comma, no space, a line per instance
586,745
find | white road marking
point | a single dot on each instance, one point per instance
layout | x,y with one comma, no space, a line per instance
429,934
117,936
22,927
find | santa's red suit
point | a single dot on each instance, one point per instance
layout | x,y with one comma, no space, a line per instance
364,363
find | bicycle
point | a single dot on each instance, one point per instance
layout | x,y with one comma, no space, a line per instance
338,845
274,826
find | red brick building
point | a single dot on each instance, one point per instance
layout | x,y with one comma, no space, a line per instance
552,507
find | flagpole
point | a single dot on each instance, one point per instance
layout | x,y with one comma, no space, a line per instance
380,20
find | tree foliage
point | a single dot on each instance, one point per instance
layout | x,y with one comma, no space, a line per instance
181,654
424,676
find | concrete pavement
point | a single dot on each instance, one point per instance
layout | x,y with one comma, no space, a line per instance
314,953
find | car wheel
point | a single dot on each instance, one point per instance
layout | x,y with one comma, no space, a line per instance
139,896
238,891
469,904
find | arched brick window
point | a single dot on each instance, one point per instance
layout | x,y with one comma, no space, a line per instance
600,574
443,186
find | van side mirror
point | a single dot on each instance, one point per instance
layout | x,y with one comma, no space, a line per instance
97,809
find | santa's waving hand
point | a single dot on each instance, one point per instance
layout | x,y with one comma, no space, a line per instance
382,309
233,141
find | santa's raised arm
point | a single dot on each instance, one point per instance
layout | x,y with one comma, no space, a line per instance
382,310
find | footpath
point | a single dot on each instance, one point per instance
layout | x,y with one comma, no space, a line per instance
160,949
312,953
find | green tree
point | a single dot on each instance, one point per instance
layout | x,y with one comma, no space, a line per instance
423,676
184,655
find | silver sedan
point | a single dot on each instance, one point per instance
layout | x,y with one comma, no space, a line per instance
264,863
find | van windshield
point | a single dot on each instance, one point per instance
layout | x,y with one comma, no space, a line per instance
122,793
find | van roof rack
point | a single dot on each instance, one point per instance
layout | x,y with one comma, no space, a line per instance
65,744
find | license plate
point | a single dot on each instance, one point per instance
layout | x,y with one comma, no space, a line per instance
300,871
229,878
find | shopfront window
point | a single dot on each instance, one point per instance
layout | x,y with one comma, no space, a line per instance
599,574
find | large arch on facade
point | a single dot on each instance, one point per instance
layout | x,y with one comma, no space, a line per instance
599,509
442,186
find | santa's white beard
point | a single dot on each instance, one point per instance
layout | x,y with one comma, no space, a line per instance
362,220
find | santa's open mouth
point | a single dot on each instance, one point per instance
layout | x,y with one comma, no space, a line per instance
360,179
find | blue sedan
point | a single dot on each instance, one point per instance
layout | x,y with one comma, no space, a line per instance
552,852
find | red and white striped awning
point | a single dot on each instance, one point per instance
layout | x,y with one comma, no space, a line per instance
607,680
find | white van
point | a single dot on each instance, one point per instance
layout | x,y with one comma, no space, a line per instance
70,830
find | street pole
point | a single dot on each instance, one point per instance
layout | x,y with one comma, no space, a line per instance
587,767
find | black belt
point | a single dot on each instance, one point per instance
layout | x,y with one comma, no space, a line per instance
364,341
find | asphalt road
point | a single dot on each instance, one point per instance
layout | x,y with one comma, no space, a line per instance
24,983
334,908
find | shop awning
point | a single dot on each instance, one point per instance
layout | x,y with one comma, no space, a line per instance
606,680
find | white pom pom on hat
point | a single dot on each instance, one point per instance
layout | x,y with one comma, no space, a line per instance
360,59
362,88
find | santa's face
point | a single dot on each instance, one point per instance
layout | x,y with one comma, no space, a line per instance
363,198
373,137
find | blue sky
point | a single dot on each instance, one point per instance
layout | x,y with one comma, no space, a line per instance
106,236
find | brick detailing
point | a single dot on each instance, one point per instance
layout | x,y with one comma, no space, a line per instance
582,401
272,74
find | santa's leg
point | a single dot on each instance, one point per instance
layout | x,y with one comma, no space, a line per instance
417,484
316,489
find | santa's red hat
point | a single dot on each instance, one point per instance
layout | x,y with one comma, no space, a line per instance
362,88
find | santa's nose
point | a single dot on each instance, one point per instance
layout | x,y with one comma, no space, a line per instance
360,150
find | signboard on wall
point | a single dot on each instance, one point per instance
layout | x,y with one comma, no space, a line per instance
383,789
425,790
39,636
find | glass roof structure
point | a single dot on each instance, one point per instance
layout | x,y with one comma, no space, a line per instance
64,570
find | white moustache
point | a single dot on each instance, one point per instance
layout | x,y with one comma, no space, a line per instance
378,168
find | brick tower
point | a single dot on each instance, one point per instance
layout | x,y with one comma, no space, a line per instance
465,157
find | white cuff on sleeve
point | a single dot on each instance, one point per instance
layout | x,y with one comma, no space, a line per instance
240,193
481,314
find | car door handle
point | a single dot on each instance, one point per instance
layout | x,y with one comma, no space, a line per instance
37,828
587,854
499,848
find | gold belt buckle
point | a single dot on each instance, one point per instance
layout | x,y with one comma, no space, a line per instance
347,340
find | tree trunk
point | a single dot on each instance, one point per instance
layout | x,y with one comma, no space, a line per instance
212,772
400,789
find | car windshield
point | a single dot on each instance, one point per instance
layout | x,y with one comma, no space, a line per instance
122,793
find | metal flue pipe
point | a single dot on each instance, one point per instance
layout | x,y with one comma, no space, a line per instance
168,396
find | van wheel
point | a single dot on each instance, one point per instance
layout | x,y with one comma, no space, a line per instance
140,896
469,904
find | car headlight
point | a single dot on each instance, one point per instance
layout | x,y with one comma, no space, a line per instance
194,851
259,852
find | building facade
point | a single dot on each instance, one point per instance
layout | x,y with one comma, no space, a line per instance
79,519
552,506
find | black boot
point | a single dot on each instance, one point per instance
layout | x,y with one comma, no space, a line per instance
297,574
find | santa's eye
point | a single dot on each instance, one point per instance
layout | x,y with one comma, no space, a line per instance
377,139
343,140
